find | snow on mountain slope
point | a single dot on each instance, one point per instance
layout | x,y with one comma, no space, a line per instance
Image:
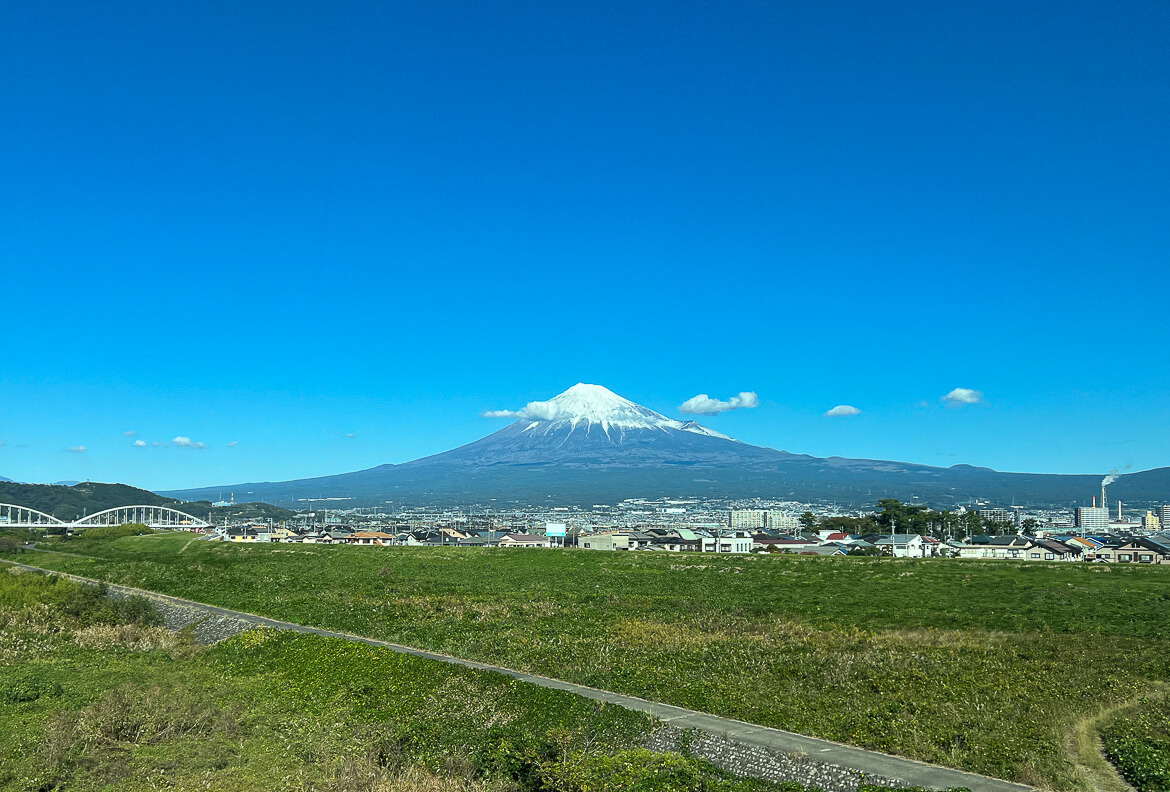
591,426
587,406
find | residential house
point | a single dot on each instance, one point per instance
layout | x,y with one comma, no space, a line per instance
826,550
604,541
1053,550
370,538
782,545
984,546
521,540
1134,551
905,546
736,542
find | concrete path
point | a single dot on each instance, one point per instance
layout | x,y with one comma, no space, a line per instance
908,771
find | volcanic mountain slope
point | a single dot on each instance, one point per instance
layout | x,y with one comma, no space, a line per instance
589,445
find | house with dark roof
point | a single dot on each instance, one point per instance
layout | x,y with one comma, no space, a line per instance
1009,547
782,544
1133,551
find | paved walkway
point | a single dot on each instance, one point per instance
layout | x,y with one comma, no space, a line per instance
907,770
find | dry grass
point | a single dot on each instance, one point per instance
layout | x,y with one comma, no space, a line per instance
366,776
130,636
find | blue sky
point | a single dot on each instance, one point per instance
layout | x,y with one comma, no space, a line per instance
334,234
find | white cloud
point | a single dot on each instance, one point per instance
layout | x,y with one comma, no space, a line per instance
842,410
187,442
140,444
129,433
960,396
350,434
233,444
705,405
533,411
76,449
502,414
156,444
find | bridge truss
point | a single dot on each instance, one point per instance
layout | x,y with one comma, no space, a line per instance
12,516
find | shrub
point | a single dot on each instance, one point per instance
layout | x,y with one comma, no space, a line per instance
9,546
136,715
107,533
637,769
92,605
27,687
1140,746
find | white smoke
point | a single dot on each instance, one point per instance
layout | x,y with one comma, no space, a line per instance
1112,477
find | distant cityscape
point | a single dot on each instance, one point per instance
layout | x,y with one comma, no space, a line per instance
1090,533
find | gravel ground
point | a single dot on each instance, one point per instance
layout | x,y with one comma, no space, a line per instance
766,763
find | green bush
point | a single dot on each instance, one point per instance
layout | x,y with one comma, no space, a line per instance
27,687
107,533
9,546
91,604
1139,747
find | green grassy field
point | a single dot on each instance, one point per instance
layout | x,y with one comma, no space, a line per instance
984,666
93,696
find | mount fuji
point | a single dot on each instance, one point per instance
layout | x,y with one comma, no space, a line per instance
589,445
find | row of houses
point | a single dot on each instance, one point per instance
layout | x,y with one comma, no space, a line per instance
1154,549
1140,550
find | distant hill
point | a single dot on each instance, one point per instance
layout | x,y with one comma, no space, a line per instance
589,445
72,502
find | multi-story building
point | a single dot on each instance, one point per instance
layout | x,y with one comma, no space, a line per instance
1163,513
1092,519
749,519
1150,522
998,515
781,522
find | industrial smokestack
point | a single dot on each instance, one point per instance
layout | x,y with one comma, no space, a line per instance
1105,482
1119,509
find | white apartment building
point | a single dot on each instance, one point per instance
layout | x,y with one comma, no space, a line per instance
748,519
1092,519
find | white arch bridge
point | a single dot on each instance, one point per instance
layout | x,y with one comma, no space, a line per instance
13,516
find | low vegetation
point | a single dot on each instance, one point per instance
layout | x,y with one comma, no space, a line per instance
984,666
269,710
1139,745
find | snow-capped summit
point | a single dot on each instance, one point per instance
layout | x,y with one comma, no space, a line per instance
583,407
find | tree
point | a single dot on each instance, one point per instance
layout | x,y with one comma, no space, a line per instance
808,521
1029,525
893,516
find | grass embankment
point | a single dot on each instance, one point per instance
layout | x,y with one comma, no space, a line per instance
985,666
94,696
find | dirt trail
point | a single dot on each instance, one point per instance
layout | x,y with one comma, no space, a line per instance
1087,753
